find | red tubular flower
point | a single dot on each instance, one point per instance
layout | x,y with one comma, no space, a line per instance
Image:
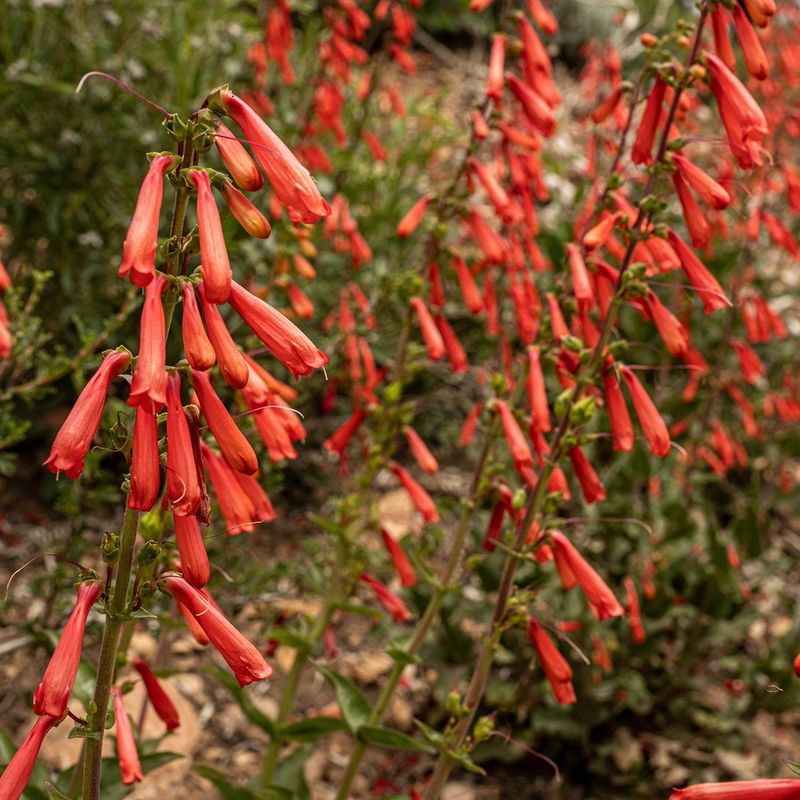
413,217
703,282
242,657
557,324
430,333
494,191
755,58
300,301
145,462
237,160
520,451
52,694
75,437
469,289
775,789
537,394
129,765
751,365
230,359
257,496
543,17
709,191
139,250
149,384
539,113
494,528
215,266
234,503
670,328
281,337
653,427
337,442
388,599
634,613
291,181
720,19
192,550
455,351
245,213
497,60
233,443
5,278
607,107
696,222
16,775
555,666
646,134
419,497
399,558
424,458
162,704
198,349
183,487
470,423
597,236
742,117
601,598
591,486
621,426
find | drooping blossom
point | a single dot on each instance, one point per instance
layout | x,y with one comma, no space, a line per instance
242,657
130,766
710,192
618,416
601,599
245,213
634,612
702,281
539,113
149,384
430,333
387,598
497,60
192,550
653,427
419,497
405,572
215,266
422,455
591,487
515,439
456,354
229,358
52,694
281,337
145,462
16,775
196,345
233,443
139,250
755,59
537,393
762,789
183,487
642,152
75,437
162,704
556,669
291,181
337,442
237,160
413,217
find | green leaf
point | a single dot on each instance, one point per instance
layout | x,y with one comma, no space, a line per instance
401,656
53,793
394,740
432,735
466,762
82,732
793,766
313,728
225,788
289,775
256,716
355,707
288,638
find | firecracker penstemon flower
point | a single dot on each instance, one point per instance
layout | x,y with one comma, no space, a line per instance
561,381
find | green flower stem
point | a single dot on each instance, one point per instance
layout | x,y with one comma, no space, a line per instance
108,658
428,618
